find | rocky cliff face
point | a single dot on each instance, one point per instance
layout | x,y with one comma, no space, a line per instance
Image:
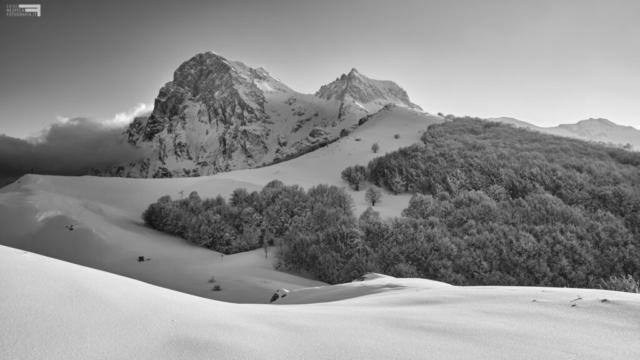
219,115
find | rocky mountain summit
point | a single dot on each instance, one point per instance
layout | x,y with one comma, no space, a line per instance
358,93
220,115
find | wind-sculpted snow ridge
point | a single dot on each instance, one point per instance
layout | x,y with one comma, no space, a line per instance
368,284
218,115
55,310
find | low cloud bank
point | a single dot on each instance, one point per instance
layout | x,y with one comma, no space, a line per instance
70,147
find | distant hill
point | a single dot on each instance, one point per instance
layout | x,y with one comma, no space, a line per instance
590,129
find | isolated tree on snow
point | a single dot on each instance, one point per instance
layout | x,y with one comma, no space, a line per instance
373,195
375,147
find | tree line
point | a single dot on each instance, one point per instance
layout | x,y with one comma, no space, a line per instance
312,230
510,206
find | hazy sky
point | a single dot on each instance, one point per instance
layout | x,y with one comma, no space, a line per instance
546,62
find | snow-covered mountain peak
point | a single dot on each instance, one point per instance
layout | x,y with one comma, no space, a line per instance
212,65
198,67
262,71
372,94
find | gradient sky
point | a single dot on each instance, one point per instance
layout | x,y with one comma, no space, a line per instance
545,62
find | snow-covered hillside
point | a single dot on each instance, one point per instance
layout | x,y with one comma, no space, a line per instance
219,115
55,310
36,212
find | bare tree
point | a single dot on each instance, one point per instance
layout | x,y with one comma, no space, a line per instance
373,195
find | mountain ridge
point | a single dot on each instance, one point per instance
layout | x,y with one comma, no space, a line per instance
218,115
592,129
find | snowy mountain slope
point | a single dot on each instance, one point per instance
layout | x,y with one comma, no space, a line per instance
56,310
108,232
590,129
218,115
